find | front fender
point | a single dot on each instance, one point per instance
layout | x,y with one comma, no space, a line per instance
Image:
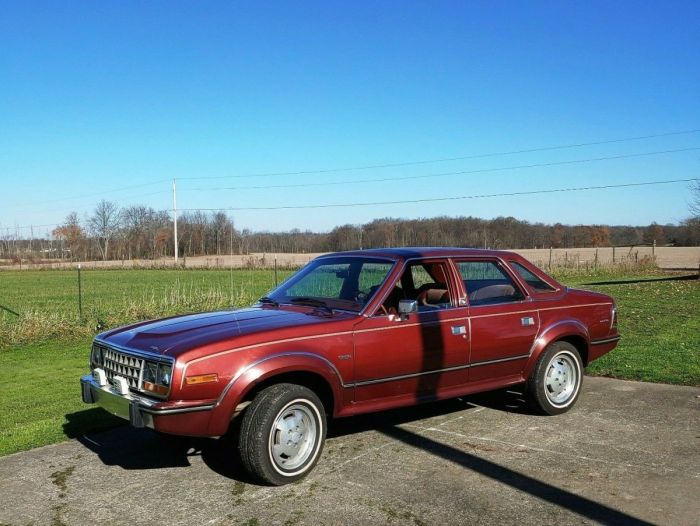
267,367
552,333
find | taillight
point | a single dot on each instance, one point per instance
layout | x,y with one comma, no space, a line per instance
613,318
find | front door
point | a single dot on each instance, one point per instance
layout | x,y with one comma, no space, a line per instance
422,354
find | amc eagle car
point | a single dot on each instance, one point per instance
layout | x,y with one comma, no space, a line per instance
352,333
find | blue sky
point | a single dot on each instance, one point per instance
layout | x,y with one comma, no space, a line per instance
97,96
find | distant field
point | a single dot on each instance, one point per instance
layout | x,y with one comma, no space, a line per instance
44,352
665,258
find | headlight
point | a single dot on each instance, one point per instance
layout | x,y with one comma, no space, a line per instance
150,372
95,356
164,374
156,377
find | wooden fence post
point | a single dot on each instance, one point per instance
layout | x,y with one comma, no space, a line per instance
80,294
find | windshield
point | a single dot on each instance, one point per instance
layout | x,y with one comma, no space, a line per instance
346,283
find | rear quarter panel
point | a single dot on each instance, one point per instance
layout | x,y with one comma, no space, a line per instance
582,314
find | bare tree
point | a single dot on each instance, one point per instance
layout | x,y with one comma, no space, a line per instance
103,223
71,232
135,221
695,198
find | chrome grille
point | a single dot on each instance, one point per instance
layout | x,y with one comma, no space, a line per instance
116,363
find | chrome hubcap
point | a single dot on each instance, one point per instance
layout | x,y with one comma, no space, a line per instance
293,436
561,380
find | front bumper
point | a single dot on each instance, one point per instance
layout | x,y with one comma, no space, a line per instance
169,417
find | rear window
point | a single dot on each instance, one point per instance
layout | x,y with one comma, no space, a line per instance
536,283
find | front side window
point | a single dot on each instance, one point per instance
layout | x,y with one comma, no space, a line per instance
424,282
346,283
487,283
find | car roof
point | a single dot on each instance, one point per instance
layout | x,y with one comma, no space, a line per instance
401,253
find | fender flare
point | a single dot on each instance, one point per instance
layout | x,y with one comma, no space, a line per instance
552,333
268,367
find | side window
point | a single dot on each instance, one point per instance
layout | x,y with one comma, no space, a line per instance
429,283
487,283
424,282
532,280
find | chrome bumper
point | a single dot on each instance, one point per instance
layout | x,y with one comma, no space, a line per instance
137,410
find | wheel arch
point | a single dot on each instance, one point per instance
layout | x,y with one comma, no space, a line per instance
304,368
312,380
571,331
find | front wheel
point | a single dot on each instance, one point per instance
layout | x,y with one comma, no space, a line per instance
555,384
282,434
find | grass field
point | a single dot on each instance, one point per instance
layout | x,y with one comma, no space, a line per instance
44,351
47,300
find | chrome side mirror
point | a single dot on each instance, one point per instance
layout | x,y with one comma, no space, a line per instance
406,307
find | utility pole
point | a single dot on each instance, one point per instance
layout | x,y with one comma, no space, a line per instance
175,219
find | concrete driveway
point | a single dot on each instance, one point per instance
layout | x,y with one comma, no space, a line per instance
629,453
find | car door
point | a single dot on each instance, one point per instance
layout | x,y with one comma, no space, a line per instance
417,356
503,320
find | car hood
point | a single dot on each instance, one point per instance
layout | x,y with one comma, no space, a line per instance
172,336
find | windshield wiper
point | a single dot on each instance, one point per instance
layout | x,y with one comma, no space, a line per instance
267,300
312,302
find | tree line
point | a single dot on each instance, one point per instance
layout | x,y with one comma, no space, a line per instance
141,232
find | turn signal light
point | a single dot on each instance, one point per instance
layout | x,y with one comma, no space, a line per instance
202,379
155,388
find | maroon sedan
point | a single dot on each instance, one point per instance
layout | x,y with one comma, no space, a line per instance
352,333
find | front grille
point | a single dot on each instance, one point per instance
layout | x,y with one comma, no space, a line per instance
116,363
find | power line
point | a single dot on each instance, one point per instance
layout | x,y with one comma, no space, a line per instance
25,227
96,194
450,198
367,167
407,201
446,159
445,174
121,198
73,209
81,208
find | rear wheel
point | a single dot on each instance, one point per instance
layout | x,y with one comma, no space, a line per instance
555,384
282,434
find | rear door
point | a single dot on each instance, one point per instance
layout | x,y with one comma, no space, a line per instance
504,322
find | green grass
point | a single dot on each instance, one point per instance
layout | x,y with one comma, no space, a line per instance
48,300
41,361
40,395
660,326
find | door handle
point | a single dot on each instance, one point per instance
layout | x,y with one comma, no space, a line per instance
459,330
527,321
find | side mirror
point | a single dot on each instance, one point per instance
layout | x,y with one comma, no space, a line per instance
406,307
